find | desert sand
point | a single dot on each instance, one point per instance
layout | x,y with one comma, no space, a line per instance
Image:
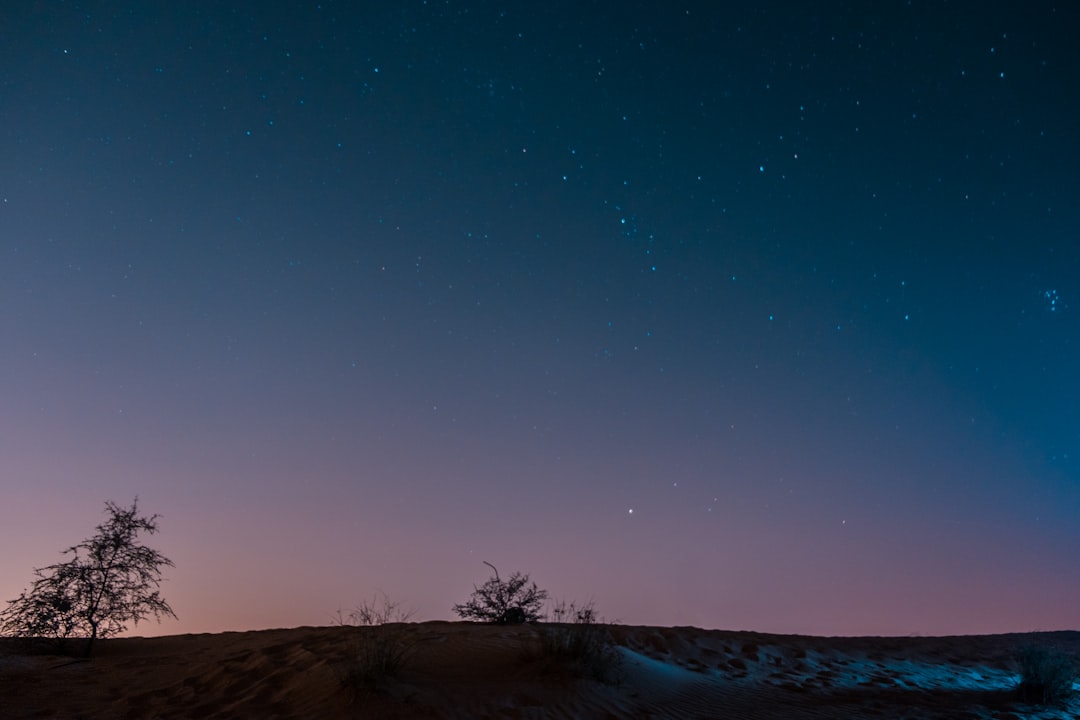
463,670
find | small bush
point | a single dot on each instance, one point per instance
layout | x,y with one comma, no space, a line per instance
578,643
1046,675
380,610
380,653
513,601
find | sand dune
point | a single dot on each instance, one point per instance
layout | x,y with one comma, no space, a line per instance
460,670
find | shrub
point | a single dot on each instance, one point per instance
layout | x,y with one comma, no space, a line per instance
380,610
1046,675
513,601
379,654
580,644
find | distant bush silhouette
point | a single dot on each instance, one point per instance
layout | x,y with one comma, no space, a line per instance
1046,675
380,610
111,580
381,653
513,601
578,643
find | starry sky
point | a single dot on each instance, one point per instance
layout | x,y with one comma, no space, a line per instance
738,315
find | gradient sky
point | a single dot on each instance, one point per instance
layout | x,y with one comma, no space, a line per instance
740,317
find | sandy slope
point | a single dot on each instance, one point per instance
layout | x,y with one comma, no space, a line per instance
459,670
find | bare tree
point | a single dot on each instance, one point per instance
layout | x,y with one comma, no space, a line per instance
110,580
512,601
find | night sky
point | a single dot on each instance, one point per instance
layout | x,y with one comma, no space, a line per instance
739,315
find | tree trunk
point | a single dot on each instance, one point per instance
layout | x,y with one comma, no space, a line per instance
90,641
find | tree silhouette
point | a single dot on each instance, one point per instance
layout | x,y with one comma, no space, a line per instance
505,602
111,579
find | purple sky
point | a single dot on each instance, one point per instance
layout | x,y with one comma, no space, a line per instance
752,319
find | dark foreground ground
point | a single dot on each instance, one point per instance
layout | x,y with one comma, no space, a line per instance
461,670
